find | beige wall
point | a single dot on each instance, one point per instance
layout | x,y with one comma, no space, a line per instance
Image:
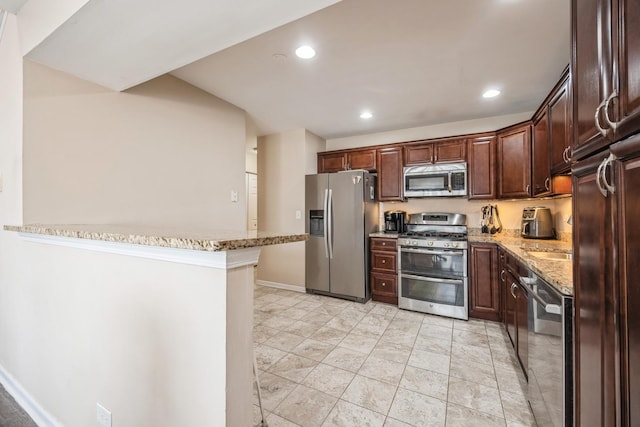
510,211
80,327
283,161
425,132
141,337
163,153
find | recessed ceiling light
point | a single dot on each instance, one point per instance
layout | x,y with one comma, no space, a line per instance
305,52
366,115
491,93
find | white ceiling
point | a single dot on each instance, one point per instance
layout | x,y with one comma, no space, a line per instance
12,6
121,43
411,62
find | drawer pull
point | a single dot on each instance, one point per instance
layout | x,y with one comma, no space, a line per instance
384,243
384,261
384,284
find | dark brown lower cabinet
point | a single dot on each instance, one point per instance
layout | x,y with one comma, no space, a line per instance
510,306
594,298
627,188
484,285
383,275
522,326
607,291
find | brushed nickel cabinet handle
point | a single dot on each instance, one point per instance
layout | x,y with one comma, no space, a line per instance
598,177
613,125
546,183
611,188
596,117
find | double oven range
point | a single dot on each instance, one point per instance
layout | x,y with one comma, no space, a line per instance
432,265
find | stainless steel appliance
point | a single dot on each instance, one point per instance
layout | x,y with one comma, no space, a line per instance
394,221
446,179
341,211
432,265
537,223
550,354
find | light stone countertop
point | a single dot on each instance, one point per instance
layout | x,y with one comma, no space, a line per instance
199,240
383,234
558,273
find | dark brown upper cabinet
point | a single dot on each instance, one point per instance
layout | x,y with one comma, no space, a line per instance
481,170
336,161
560,126
514,161
605,73
540,158
438,151
389,182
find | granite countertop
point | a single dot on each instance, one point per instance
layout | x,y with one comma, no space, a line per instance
199,240
558,273
383,234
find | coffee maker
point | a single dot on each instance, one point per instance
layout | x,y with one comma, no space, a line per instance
394,221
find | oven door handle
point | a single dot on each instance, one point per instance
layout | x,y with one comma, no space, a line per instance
549,308
431,279
430,252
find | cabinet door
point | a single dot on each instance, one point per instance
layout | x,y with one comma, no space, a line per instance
450,151
540,167
559,120
510,306
627,184
481,169
390,174
594,298
331,162
362,159
383,261
514,162
384,287
590,72
628,68
522,326
418,154
484,287
502,280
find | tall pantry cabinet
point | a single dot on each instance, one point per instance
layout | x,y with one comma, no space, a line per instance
606,201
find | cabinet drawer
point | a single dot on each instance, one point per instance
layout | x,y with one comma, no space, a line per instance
383,261
383,284
382,244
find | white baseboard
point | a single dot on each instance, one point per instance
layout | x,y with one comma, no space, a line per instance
37,413
285,286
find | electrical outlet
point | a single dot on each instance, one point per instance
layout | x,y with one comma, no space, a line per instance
298,215
234,196
103,416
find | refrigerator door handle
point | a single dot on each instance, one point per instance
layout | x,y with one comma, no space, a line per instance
330,228
325,206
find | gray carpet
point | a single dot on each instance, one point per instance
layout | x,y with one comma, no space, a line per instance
11,414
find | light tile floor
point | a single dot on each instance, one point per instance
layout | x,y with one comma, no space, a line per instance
329,362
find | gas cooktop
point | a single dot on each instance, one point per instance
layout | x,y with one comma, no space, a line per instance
437,230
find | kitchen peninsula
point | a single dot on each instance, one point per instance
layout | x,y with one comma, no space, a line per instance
170,314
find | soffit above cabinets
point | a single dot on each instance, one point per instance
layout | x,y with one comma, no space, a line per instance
121,43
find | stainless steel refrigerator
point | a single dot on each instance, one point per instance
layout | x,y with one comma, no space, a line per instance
341,211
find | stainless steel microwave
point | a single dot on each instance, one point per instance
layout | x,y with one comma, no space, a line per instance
439,180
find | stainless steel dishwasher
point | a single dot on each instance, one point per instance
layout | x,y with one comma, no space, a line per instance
550,357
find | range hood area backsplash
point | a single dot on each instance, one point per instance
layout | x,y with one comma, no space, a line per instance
510,210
